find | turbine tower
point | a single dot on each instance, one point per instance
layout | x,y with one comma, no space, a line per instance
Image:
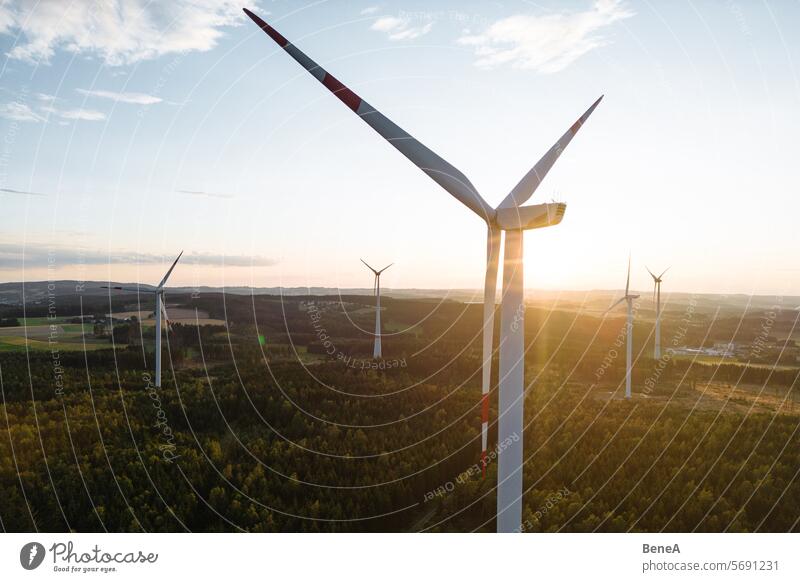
160,310
628,331
657,301
376,289
510,216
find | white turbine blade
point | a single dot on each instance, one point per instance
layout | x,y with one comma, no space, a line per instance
118,288
651,273
164,280
489,292
368,267
628,282
166,317
530,182
386,267
664,271
442,172
620,300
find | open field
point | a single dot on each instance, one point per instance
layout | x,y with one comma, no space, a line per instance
44,334
36,333
176,315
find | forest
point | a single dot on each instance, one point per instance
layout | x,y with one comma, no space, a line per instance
267,423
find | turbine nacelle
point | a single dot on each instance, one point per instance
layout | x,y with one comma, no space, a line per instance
529,217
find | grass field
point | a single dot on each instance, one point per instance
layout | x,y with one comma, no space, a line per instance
37,332
18,344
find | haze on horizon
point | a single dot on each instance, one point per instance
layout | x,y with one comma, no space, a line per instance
186,129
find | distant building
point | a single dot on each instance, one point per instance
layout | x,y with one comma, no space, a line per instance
723,349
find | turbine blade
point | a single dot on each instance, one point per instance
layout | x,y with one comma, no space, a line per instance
164,280
442,172
386,267
133,289
664,271
368,267
489,292
651,273
620,300
530,182
166,317
628,282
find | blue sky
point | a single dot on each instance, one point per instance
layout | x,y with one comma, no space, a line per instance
116,113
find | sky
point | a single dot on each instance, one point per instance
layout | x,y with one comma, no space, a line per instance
131,130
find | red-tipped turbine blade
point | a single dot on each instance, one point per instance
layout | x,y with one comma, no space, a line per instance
530,182
444,174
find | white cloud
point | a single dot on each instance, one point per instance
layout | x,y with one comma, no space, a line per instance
400,28
16,111
546,43
19,192
40,254
83,114
369,10
136,98
76,114
118,31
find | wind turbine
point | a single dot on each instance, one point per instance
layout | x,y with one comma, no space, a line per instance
513,218
160,311
629,330
376,289
657,301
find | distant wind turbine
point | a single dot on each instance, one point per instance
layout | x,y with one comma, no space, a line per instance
510,216
657,301
160,311
376,290
629,330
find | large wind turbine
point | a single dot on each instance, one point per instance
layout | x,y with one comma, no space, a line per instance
510,216
160,311
628,331
376,352
657,301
